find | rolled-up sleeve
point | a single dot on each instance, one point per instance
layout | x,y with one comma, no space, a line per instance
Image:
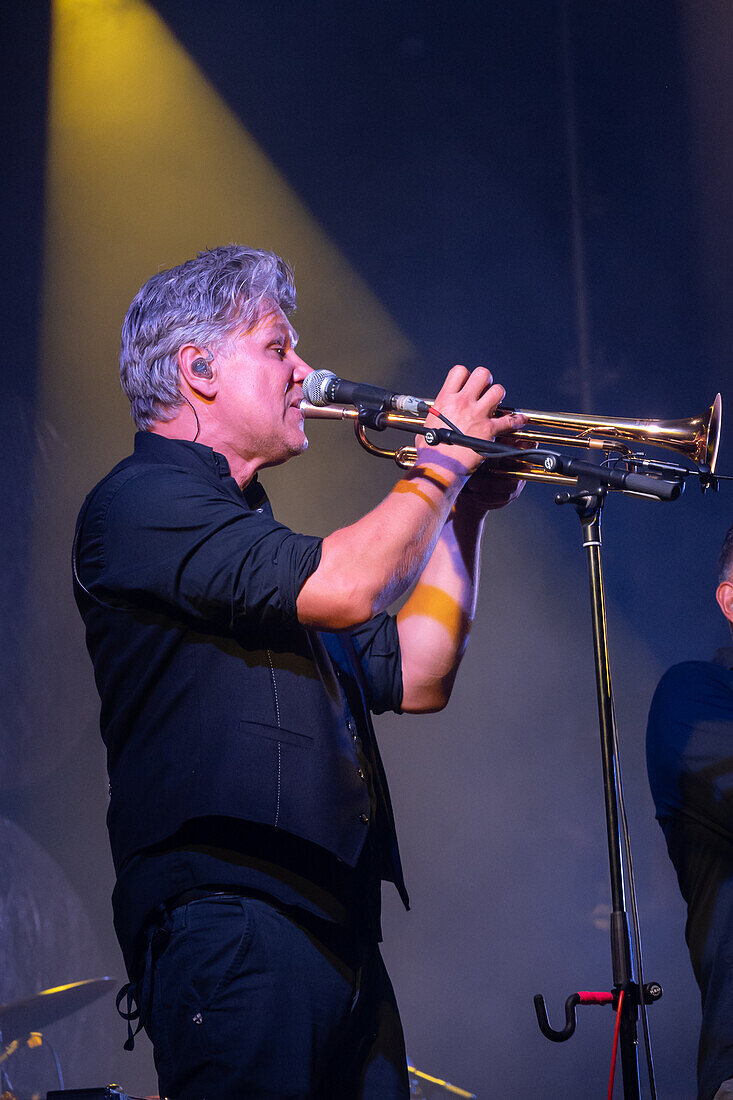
167,539
377,646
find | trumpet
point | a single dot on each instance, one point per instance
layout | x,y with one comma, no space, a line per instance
696,438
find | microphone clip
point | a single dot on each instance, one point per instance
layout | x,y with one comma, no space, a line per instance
373,416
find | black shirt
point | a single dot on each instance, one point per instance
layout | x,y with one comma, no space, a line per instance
240,746
690,763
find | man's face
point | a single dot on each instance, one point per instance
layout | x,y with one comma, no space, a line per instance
260,389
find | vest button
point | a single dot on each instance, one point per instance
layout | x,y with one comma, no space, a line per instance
361,775
364,818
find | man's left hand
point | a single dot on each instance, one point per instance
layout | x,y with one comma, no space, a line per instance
487,489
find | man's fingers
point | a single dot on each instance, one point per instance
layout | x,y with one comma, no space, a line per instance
510,422
494,395
474,383
478,383
471,398
455,379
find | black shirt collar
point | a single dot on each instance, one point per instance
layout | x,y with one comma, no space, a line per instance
152,445
184,452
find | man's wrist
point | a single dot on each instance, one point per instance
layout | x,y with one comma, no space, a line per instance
447,461
441,471
436,483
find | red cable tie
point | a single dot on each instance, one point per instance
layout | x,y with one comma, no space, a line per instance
615,1044
588,997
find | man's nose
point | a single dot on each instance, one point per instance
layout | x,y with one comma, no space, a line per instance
301,370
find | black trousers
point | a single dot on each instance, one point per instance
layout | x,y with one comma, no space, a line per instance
246,1002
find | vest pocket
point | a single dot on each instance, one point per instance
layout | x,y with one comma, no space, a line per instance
276,733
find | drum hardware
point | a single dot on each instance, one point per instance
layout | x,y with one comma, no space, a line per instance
21,1017
439,1088
20,1020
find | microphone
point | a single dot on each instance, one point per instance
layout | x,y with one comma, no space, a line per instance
322,387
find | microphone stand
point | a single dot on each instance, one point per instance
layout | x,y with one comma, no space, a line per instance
588,498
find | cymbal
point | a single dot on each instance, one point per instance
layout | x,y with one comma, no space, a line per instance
439,1087
21,1017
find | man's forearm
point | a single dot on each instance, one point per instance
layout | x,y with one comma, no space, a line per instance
368,565
435,621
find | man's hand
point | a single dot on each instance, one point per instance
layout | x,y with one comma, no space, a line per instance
488,489
469,400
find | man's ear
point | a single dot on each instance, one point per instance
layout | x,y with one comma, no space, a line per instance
724,596
198,371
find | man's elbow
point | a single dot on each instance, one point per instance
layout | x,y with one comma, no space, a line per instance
332,606
426,697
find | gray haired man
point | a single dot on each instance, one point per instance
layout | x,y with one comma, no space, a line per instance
238,665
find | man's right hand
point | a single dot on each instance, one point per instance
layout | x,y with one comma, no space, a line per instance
469,400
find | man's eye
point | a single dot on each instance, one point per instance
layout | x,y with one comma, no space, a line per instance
281,350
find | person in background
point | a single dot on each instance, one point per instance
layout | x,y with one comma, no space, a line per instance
690,764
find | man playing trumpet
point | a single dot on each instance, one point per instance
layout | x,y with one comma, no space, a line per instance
238,664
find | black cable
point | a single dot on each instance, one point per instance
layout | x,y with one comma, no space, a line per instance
198,423
505,452
445,420
501,450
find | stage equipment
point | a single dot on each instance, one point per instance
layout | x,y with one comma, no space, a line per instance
108,1092
610,464
696,438
21,1017
21,1021
419,1081
423,1086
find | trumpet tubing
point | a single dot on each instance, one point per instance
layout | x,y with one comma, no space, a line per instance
697,438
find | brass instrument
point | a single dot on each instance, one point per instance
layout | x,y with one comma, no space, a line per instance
697,438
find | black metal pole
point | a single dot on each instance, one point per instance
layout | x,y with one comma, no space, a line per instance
590,519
